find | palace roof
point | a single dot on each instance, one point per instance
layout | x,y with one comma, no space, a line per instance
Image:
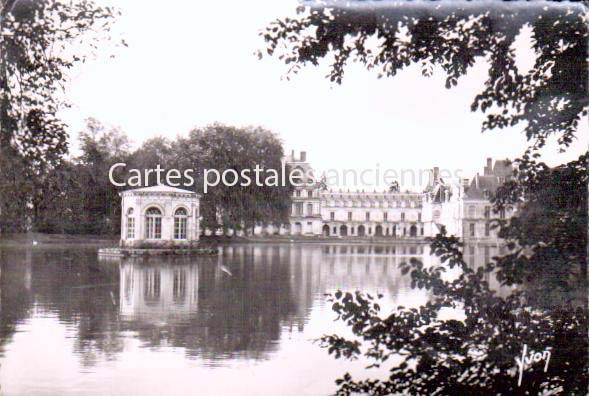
160,188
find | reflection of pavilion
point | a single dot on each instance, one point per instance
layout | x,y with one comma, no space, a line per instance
159,292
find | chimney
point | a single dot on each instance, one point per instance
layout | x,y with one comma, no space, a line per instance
465,183
303,156
292,155
489,167
436,175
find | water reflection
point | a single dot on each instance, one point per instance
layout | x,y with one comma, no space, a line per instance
252,303
159,293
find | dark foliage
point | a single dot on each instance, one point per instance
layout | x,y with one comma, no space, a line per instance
386,38
546,238
40,41
224,147
78,198
473,355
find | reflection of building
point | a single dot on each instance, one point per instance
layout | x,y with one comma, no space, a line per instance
158,292
159,216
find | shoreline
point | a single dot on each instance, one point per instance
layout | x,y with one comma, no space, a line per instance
49,240
220,240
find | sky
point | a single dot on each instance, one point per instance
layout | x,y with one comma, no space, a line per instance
189,64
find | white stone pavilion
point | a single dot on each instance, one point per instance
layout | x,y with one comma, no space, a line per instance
159,217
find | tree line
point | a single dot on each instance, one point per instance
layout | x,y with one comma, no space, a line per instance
77,197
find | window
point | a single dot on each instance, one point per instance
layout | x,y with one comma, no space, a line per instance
332,216
402,216
419,217
487,229
130,224
385,216
153,223
309,209
471,211
487,212
367,216
349,216
472,229
421,231
180,222
502,213
298,193
298,209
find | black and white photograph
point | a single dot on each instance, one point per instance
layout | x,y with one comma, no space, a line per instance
294,197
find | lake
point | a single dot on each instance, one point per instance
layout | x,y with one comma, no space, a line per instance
242,323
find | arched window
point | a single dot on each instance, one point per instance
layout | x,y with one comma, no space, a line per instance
180,222
153,223
130,224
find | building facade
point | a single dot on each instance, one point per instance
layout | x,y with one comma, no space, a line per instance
162,216
159,216
462,207
322,212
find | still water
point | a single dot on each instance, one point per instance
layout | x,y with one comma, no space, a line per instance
242,323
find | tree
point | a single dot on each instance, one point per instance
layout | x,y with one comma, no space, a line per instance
394,187
222,148
77,196
549,99
155,151
475,355
547,240
101,205
39,42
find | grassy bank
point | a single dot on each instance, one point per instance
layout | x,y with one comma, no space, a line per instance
40,239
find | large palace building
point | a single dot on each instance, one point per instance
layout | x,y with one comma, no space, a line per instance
463,207
319,211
